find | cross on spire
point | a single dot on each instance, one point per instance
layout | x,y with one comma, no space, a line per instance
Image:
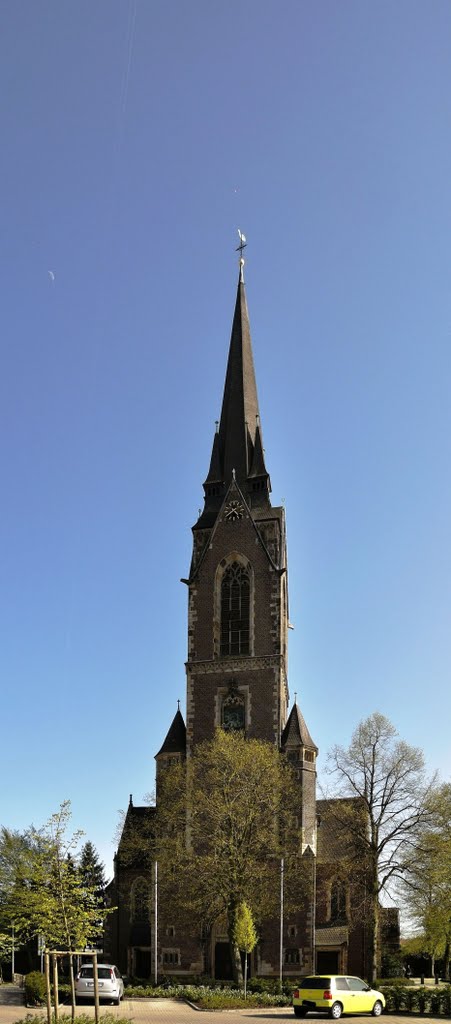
242,244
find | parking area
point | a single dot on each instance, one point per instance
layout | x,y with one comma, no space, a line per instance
169,1011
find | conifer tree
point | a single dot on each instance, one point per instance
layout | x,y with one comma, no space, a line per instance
91,868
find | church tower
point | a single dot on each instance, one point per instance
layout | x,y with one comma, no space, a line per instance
236,674
238,606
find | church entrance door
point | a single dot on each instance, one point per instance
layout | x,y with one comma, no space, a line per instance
142,963
327,961
223,962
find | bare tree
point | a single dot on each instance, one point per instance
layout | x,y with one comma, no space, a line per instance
387,778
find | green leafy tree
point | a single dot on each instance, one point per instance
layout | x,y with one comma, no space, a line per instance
387,776
6,948
426,882
224,820
46,894
245,935
17,852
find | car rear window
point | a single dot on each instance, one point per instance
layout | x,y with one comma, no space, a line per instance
315,983
102,972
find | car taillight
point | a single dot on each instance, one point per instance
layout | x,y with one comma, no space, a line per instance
296,993
112,975
327,994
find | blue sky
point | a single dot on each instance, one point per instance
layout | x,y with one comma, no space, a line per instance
136,137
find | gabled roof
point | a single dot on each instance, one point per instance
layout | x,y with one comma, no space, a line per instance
175,742
135,844
234,490
336,839
295,732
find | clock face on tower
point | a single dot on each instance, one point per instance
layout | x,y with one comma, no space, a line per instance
234,510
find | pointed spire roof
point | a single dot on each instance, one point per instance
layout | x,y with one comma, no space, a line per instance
258,467
295,732
237,444
175,742
239,412
215,471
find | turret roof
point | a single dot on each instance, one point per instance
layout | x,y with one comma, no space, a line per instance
175,742
295,732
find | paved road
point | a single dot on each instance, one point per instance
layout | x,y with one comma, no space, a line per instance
168,1011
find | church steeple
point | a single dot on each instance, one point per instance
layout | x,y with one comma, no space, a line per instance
237,444
238,603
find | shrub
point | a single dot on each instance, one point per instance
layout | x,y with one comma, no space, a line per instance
446,1001
257,985
397,997
423,999
34,988
411,999
436,1000
391,965
223,996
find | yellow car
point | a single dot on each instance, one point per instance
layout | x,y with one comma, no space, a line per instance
338,994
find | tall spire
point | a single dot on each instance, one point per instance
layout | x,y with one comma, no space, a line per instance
237,443
239,413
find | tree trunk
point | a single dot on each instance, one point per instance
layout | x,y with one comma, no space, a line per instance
235,957
72,985
235,954
446,961
375,929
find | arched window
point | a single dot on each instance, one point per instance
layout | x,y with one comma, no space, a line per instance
140,900
235,602
338,901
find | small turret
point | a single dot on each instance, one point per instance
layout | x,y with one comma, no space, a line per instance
296,742
174,746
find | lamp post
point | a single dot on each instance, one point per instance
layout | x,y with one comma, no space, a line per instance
281,920
155,937
276,856
12,955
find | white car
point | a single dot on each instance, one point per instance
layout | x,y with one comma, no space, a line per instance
111,985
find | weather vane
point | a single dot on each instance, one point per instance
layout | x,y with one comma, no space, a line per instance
239,249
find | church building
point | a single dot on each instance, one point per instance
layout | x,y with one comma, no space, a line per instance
237,678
